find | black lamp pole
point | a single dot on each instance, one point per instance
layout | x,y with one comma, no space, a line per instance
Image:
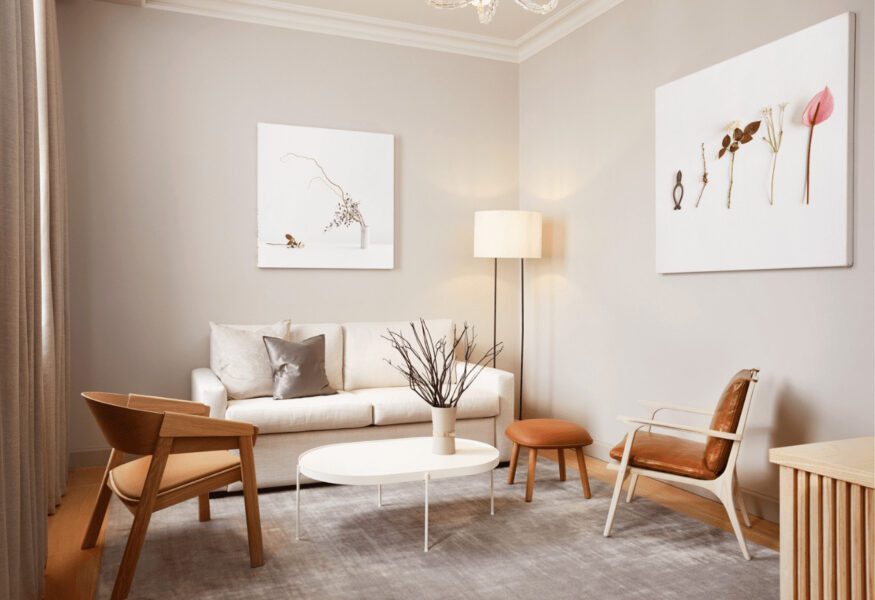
522,320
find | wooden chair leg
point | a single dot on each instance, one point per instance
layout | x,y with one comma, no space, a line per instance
530,479
584,477
560,454
739,499
726,498
514,457
143,515
101,503
203,507
632,483
250,499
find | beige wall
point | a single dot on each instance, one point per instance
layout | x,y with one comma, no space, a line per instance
161,111
606,329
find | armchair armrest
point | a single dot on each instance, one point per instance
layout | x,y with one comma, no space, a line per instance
658,406
207,389
178,425
159,404
638,423
500,383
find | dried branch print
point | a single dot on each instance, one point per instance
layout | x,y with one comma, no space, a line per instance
774,137
347,212
290,242
816,112
704,176
428,364
732,145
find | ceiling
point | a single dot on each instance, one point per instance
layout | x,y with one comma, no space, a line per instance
514,34
510,23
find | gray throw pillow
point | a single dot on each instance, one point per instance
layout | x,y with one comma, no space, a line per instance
298,367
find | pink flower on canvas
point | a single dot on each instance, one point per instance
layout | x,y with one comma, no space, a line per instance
816,112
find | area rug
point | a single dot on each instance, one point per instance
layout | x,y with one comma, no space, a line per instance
351,548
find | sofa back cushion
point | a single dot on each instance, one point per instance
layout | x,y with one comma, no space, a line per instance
365,351
239,359
333,347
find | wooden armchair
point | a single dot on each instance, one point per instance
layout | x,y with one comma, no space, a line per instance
709,465
185,455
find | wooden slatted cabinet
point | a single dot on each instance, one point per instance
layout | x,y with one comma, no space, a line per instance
827,519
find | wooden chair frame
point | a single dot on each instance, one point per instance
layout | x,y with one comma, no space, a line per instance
182,427
724,486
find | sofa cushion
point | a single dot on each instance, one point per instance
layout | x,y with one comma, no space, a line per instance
365,351
239,359
333,347
341,411
393,405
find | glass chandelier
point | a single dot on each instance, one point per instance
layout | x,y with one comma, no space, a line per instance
486,8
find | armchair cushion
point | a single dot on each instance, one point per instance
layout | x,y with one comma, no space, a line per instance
182,469
726,418
666,453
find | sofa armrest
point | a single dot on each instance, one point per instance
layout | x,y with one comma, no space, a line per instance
501,383
207,389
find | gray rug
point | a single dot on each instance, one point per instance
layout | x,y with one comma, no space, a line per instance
350,548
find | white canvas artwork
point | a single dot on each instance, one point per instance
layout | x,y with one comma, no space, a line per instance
762,224
326,198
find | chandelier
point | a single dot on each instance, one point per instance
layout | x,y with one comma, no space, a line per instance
486,8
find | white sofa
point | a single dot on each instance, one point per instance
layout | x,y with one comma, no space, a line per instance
373,401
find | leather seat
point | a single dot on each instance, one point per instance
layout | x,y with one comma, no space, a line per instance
182,469
666,453
548,433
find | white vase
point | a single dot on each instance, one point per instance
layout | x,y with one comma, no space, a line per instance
443,430
365,237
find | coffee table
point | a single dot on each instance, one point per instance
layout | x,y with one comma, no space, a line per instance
381,462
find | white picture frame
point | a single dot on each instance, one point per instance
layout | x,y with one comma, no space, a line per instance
332,191
754,234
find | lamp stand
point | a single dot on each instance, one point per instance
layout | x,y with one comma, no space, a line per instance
522,329
494,306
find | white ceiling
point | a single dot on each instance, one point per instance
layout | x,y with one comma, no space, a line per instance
514,34
511,21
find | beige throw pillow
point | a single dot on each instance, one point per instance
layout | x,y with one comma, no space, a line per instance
239,359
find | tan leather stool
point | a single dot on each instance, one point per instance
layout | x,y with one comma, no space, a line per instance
552,434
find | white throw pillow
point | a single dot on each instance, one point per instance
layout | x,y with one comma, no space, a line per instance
239,359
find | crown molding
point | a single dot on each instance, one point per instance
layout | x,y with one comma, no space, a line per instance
329,22
560,24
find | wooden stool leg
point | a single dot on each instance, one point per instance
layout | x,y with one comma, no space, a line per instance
203,506
560,453
514,456
530,480
584,478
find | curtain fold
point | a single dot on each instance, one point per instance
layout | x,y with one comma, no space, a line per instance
33,306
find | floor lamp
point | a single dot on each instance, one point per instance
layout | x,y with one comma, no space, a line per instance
508,234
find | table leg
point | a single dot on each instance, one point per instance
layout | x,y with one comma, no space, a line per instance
426,513
379,495
298,503
492,492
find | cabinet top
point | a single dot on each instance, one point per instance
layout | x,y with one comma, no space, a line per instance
850,460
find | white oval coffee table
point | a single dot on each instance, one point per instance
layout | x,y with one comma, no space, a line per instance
393,461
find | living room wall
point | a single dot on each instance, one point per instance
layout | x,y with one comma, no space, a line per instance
606,330
161,111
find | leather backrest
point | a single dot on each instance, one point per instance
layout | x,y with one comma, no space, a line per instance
726,418
129,430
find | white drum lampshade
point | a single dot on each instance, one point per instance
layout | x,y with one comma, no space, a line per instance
507,234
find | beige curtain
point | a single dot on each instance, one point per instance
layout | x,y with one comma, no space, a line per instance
33,323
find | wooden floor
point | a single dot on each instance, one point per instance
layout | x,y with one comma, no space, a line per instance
71,573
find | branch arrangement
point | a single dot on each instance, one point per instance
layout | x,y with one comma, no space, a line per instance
347,211
428,364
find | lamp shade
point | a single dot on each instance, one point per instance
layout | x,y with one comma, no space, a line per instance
507,234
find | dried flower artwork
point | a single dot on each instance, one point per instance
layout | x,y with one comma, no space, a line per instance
732,145
704,176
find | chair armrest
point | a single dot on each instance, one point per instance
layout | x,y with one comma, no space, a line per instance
159,404
207,389
178,425
701,430
500,383
658,406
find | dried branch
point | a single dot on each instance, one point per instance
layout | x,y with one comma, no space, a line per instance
429,365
